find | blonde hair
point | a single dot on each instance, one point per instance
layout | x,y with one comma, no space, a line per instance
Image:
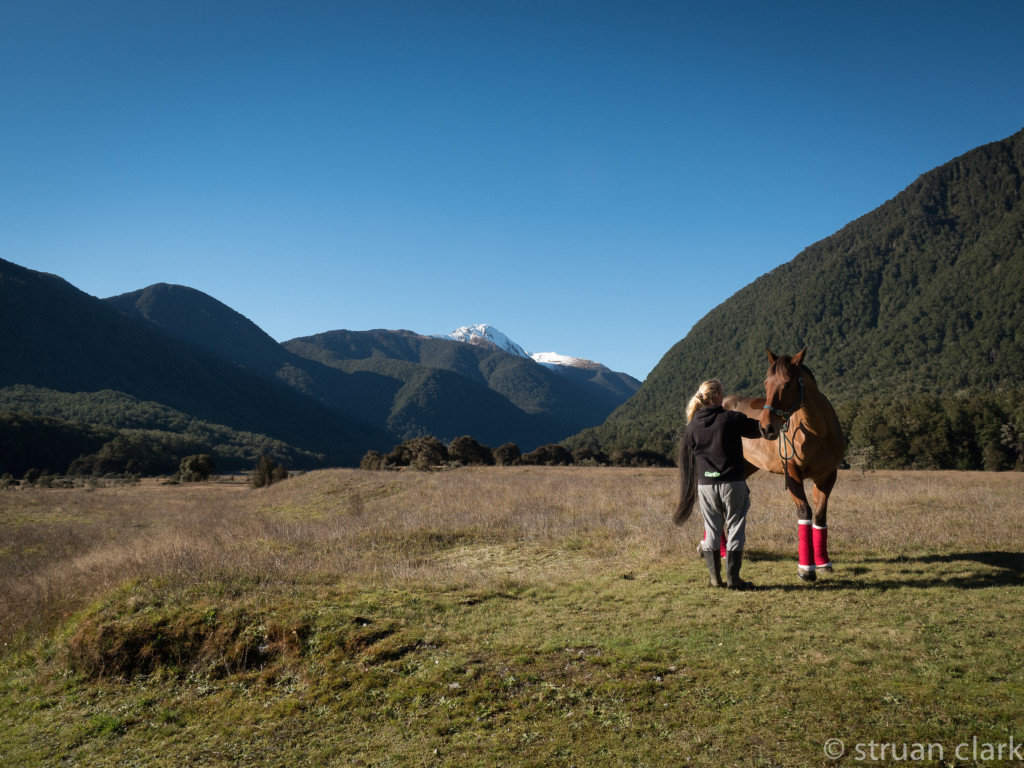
706,396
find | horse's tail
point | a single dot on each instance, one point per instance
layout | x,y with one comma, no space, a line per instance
687,483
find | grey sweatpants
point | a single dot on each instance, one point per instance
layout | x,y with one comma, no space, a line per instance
724,507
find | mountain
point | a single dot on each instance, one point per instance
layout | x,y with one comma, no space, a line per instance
201,321
607,385
402,383
484,334
447,388
389,381
168,370
205,323
922,296
56,339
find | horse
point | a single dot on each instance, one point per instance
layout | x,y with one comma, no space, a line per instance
803,440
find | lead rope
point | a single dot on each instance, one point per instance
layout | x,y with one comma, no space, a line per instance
787,448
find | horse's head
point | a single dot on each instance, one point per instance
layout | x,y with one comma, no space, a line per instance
784,392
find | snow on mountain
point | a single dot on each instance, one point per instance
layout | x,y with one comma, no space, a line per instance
485,334
488,334
553,358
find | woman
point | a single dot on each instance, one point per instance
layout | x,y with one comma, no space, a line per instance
712,447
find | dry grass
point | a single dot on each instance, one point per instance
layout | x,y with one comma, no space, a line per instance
527,616
467,528
889,513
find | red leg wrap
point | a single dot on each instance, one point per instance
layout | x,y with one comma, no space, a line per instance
722,550
821,558
805,547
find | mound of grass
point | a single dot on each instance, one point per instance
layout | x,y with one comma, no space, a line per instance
130,636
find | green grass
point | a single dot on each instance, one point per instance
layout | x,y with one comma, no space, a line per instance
636,669
567,652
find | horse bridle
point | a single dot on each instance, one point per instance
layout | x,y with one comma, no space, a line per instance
787,448
784,415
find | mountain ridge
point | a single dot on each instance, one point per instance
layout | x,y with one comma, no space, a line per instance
175,361
56,337
547,402
485,333
924,294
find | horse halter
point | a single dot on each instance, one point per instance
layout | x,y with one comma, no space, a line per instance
787,448
784,415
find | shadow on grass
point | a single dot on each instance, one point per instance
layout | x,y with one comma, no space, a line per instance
1001,569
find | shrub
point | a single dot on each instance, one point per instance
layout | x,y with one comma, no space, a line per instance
468,451
196,468
373,460
507,455
641,459
419,453
549,455
588,457
268,472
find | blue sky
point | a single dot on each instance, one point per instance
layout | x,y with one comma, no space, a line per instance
589,177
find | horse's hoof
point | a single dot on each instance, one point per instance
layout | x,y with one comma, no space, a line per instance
808,575
827,568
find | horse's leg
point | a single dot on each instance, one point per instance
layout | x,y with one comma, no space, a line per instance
820,495
805,541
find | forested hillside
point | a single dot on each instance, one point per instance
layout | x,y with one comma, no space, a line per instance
447,388
924,295
60,345
199,320
106,432
167,371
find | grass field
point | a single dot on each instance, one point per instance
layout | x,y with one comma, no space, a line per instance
513,617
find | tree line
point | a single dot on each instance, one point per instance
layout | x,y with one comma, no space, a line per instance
61,447
427,452
973,432
969,431
924,431
197,468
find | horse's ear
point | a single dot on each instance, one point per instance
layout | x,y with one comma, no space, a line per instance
771,355
798,358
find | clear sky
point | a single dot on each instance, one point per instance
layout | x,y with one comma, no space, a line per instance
589,177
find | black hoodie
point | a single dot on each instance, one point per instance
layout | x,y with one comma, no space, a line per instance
714,437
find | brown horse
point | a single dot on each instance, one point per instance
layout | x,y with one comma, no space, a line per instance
803,441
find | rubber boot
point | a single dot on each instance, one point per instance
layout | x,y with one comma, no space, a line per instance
713,560
733,563
700,544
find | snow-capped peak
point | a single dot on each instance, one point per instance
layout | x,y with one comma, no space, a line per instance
486,334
